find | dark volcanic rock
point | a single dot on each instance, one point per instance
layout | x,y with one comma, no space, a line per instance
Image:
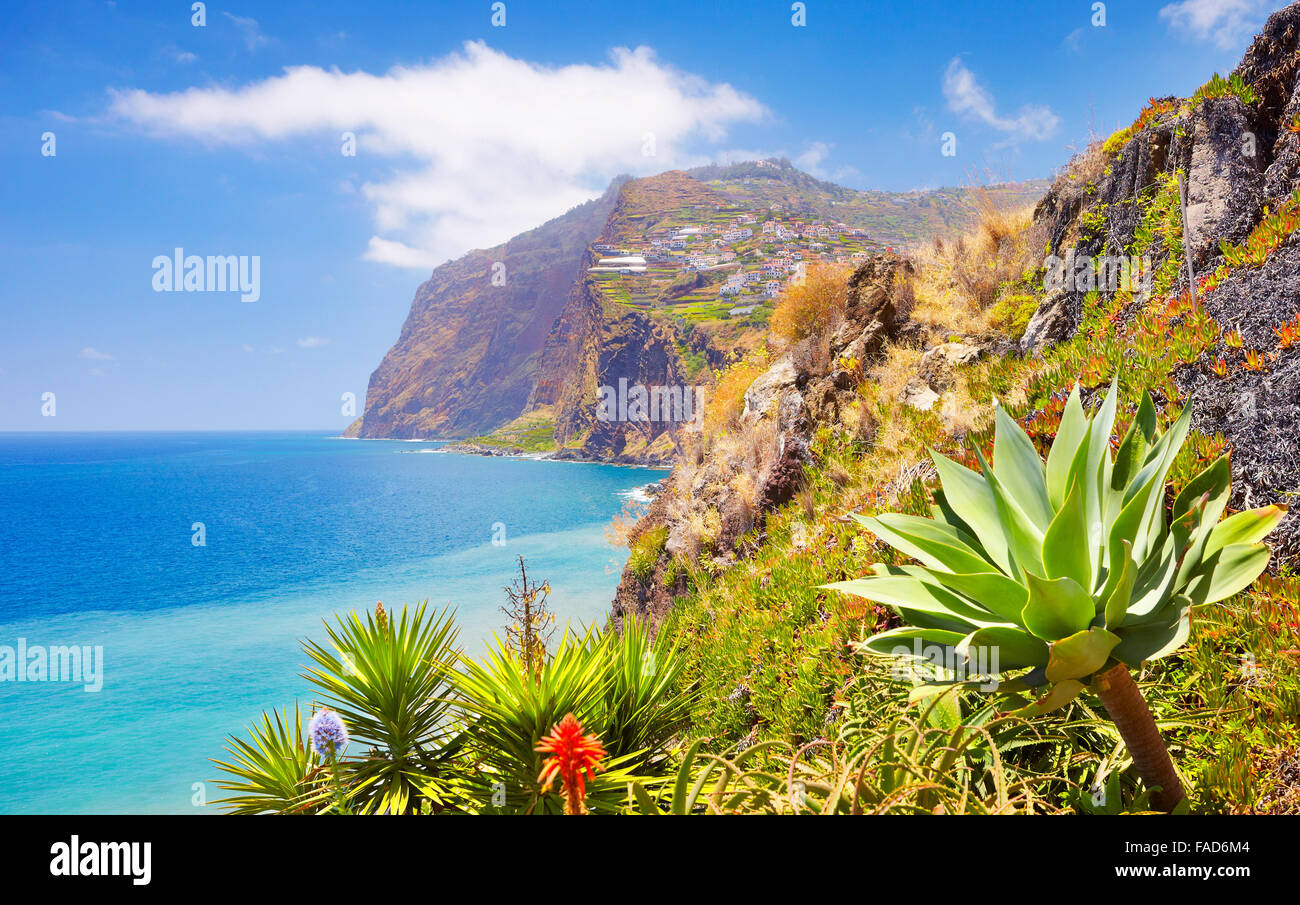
1257,412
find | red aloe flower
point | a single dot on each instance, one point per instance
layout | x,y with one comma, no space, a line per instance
575,759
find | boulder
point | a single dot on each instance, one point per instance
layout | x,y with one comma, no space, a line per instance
1225,186
767,387
918,394
1054,321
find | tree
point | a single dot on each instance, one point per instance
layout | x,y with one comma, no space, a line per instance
1068,569
531,623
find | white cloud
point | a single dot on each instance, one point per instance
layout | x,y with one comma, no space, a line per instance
965,95
93,354
399,254
248,27
313,342
1228,23
475,147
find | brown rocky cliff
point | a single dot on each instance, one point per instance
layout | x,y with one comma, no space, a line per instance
467,357
596,344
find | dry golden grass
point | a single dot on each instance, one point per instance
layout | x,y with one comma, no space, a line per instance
813,306
727,400
891,374
958,281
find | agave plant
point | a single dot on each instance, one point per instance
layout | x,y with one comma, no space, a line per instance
1069,569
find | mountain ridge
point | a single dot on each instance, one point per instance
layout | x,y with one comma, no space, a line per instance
530,329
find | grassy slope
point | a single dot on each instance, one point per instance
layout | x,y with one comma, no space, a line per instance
771,653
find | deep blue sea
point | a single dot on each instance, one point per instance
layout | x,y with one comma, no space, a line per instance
97,549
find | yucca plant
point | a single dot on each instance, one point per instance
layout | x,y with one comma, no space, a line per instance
644,707
274,771
1069,569
387,676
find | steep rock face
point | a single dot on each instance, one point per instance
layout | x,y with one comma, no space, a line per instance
1224,186
1272,68
1257,411
467,357
596,344
619,349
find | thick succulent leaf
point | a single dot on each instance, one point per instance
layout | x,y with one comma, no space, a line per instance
1057,608
922,619
903,642
1159,461
936,544
971,498
1069,436
1002,647
1115,605
1126,528
1228,571
1155,584
1080,655
1093,535
1024,537
1019,469
1097,466
911,593
1065,555
1196,511
992,590
1060,694
942,512
1151,642
1137,441
1249,527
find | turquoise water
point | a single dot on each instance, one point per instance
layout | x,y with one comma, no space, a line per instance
97,550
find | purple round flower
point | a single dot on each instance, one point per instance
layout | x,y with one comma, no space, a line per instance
328,734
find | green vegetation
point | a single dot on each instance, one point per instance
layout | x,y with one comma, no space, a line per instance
436,731
1011,581
532,432
1218,87
1161,229
645,552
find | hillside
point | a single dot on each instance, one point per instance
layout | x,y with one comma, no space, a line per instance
660,281
814,429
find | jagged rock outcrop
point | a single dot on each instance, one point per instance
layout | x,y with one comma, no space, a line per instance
724,491
1257,411
1224,185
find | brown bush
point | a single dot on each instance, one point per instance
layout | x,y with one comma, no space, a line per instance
813,306
727,399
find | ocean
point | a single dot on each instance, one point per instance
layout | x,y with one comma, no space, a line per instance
100,547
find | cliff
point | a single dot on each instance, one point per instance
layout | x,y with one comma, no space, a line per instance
510,347
844,419
466,360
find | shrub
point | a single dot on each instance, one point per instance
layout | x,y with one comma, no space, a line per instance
727,399
812,307
622,688
645,552
1011,313
431,737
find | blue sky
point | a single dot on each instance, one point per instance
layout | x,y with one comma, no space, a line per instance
227,139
